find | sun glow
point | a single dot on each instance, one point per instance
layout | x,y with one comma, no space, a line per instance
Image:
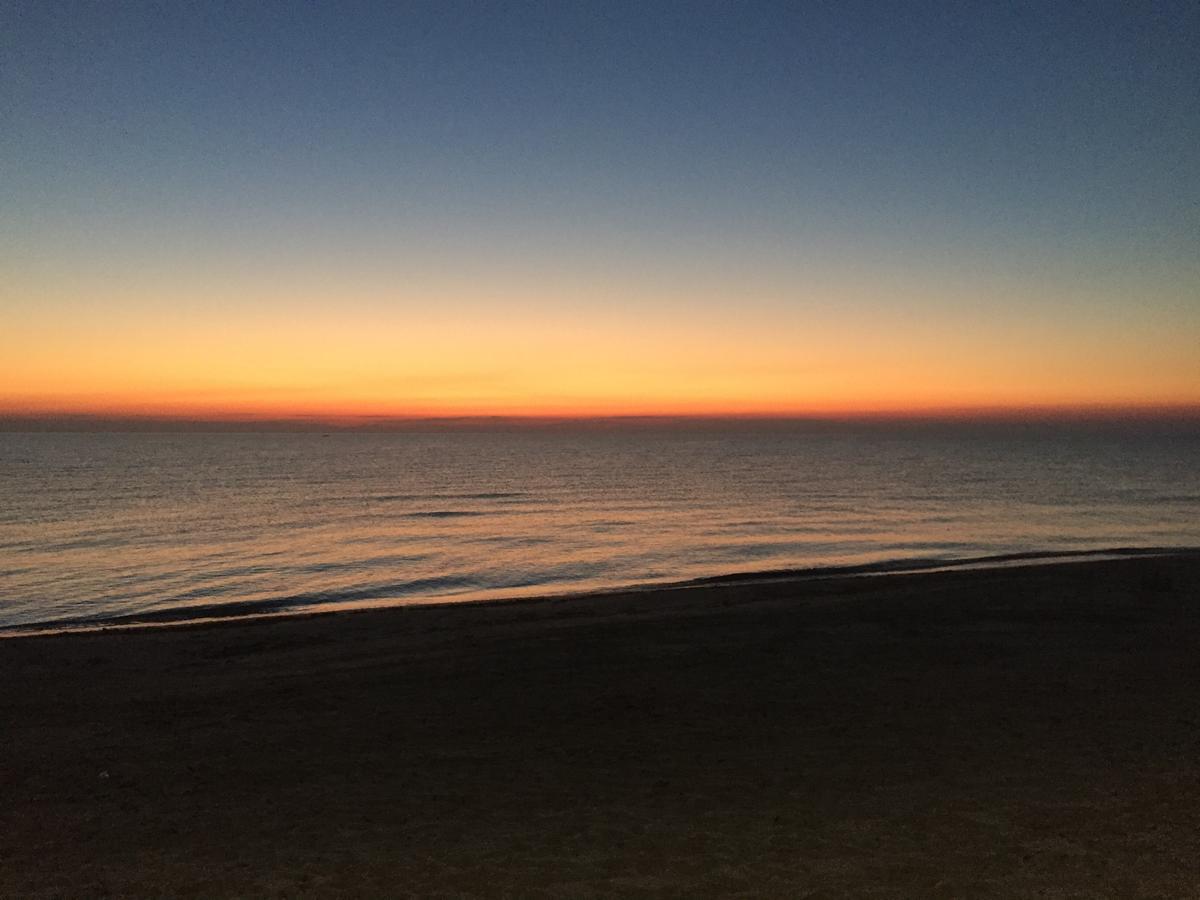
368,359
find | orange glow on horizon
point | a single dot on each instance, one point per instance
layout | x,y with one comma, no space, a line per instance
281,356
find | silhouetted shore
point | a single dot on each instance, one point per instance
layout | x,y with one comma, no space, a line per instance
976,733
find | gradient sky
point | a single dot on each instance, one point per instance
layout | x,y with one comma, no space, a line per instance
221,209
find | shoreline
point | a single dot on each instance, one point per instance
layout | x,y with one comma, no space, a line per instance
266,611
1018,730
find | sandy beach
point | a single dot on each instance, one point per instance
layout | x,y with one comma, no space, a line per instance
1010,732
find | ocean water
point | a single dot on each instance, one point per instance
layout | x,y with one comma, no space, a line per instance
95,526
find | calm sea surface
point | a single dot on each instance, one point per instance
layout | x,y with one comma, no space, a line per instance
100,525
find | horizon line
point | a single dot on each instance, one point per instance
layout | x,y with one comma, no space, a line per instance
167,422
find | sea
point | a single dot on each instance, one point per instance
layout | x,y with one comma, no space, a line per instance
102,527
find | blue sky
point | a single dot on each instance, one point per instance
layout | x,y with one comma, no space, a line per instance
1040,157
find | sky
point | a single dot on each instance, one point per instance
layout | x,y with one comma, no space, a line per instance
349,210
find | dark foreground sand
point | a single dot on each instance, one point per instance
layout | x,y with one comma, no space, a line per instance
1006,733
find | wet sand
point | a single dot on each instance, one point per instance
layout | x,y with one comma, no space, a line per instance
1009,732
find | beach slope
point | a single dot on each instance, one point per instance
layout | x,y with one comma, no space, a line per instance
1015,731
